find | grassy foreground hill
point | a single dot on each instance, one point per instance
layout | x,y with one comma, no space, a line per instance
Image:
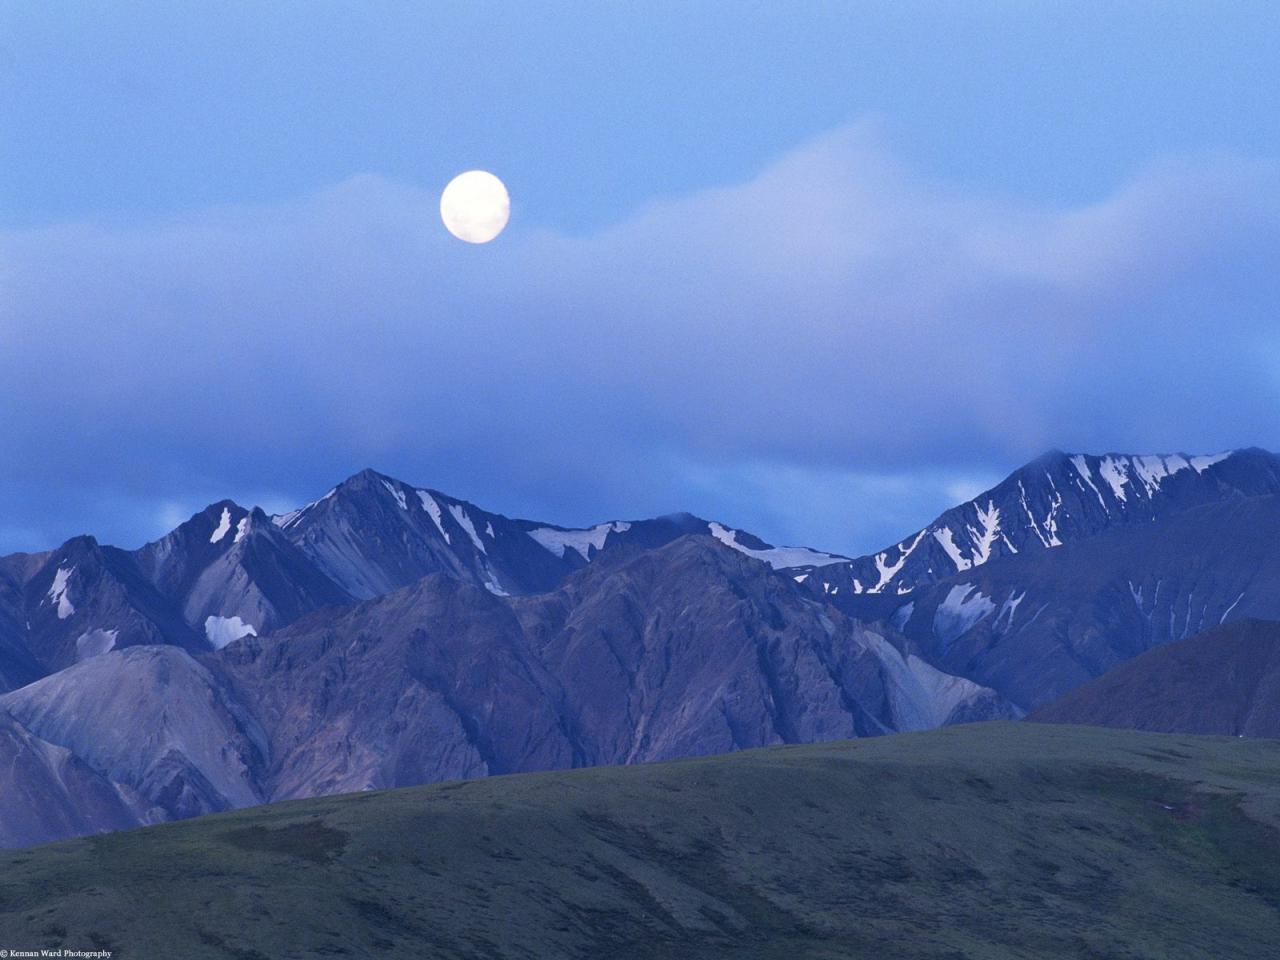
996,840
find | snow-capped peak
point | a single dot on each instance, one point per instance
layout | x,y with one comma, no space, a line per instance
1054,499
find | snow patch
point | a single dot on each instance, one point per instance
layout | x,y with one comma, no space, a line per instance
985,537
224,525
1051,521
1136,593
465,523
963,606
902,615
220,631
1227,612
1147,471
557,540
947,539
1152,471
397,493
1008,610
58,592
1035,527
780,558
1201,464
285,520
887,570
1115,472
1082,468
241,528
433,510
94,643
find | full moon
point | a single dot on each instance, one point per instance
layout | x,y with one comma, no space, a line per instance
475,206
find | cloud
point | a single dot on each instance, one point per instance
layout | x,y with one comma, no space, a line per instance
838,314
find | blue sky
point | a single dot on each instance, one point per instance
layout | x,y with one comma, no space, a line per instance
818,270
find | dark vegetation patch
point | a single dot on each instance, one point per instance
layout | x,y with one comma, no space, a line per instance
1165,753
383,920
212,939
311,840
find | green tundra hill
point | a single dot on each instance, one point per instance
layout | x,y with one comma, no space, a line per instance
995,840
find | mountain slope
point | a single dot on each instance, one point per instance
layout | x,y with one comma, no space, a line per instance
1035,626
431,682
995,841
49,793
1223,681
693,649
17,665
685,649
153,719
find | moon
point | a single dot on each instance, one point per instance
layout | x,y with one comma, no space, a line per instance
475,206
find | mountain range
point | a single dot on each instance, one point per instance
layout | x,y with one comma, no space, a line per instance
232,571
387,634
